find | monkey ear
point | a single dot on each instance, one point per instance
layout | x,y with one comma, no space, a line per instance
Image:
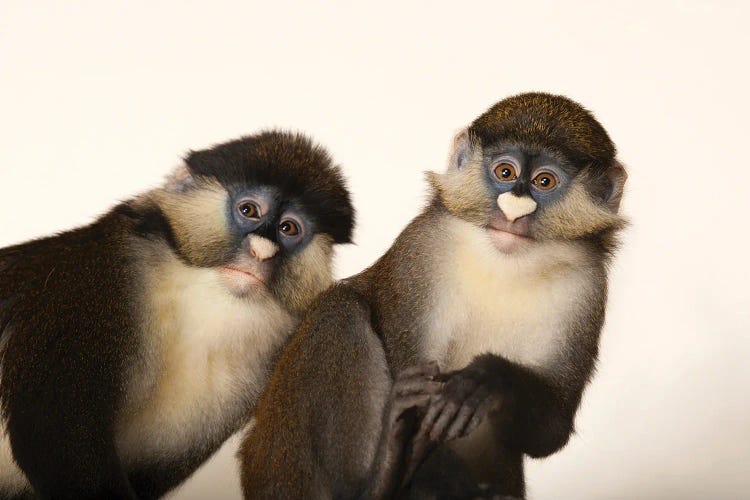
617,177
460,150
181,179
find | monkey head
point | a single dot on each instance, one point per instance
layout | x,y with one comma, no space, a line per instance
533,168
264,211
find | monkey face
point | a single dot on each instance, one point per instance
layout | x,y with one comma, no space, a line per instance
525,196
518,173
266,229
259,239
524,185
264,211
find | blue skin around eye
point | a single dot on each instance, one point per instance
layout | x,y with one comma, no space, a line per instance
306,227
274,210
497,185
263,197
529,168
548,197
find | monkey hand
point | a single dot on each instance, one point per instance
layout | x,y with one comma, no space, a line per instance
414,387
467,398
465,401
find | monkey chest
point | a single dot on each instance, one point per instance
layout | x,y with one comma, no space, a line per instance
526,323
204,362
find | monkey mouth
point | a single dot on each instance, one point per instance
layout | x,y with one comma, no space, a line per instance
246,272
240,281
520,234
520,227
507,240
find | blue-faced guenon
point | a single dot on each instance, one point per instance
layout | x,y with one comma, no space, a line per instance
133,347
469,343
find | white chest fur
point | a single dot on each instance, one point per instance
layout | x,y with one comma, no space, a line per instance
12,480
206,360
519,306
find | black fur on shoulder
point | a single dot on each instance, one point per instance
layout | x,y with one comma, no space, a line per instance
555,121
291,161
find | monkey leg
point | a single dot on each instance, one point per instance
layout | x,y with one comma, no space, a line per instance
444,475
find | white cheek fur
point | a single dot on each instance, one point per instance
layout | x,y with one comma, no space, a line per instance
12,480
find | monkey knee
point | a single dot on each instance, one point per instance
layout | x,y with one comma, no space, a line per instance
549,440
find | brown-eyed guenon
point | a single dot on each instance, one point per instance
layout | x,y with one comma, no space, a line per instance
500,284
133,347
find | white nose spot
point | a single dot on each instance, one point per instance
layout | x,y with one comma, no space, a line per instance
262,248
514,207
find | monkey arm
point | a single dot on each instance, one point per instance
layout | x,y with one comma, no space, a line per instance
60,420
532,414
65,334
535,415
537,408
66,450
329,424
313,425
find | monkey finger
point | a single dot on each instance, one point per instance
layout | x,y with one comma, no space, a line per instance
433,412
471,426
420,448
446,417
467,412
429,369
421,438
417,386
480,414
421,444
403,403
462,419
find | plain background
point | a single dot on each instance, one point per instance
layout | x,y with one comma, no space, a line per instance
98,100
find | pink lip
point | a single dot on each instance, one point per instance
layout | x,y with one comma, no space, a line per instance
507,242
242,271
517,235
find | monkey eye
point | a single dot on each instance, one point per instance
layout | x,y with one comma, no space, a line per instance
249,209
506,172
545,181
289,228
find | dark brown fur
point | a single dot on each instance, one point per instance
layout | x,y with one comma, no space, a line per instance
320,425
74,307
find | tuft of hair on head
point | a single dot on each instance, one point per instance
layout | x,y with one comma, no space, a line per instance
555,122
291,161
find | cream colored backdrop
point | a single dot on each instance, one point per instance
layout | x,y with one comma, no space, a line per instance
99,99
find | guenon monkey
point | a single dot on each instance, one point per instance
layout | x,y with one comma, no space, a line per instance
501,282
133,347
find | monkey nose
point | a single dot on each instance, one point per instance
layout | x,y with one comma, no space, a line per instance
262,248
514,207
